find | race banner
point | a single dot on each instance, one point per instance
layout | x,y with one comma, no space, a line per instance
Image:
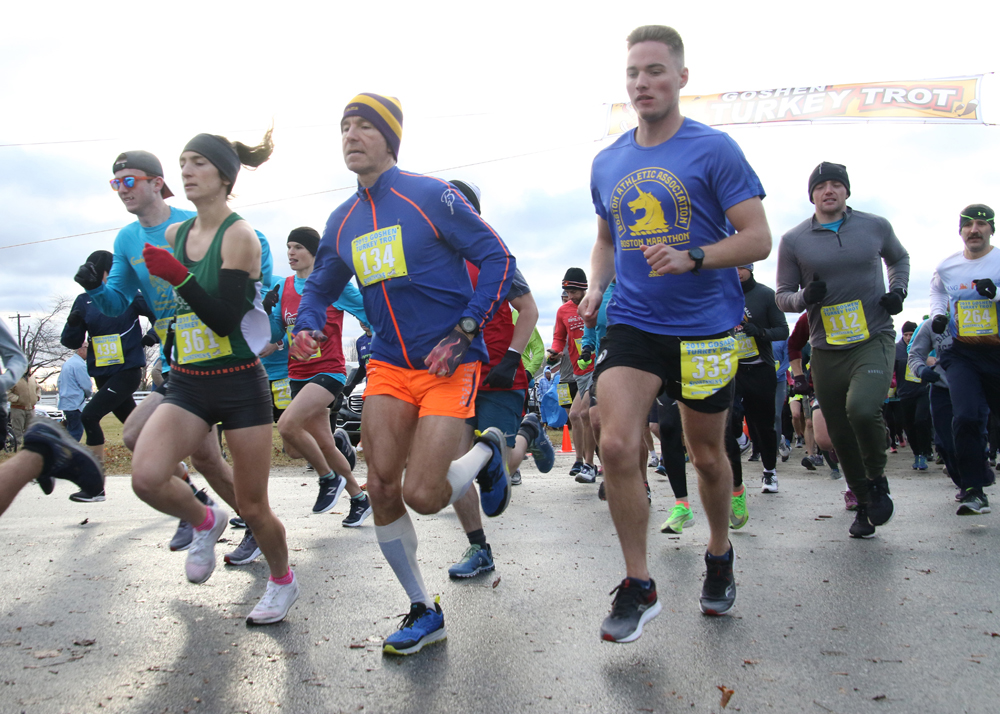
932,101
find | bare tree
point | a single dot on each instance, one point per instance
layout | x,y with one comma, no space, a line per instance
40,341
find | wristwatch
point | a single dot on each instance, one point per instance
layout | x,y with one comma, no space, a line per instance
469,326
698,256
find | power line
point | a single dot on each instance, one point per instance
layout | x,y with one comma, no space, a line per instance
320,193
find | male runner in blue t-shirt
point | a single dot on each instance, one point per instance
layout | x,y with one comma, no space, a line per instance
663,193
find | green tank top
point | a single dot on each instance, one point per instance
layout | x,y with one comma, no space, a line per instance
195,344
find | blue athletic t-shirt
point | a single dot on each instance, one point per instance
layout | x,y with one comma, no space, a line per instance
835,226
675,193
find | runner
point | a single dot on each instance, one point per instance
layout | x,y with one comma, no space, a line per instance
75,388
406,237
762,323
317,383
964,302
115,360
47,451
568,334
216,376
914,401
830,265
139,184
500,400
663,193
23,397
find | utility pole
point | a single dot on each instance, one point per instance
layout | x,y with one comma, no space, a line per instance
18,317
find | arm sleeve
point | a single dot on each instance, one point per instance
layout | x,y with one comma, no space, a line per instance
788,296
920,348
221,314
477,242
113,297
776,317
798,339
939,296
277,322
329,277
897,261
72,337
350,301
558,335
589,337
534,353
13,359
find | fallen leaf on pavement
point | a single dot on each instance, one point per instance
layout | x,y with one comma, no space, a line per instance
85,521
84,643
45,654
496,582
727,694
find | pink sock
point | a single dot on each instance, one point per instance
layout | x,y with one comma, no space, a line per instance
283,580
208,522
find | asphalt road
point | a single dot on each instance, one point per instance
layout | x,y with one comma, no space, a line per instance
96,614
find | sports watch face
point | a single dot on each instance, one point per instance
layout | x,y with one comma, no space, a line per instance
696,254
468,325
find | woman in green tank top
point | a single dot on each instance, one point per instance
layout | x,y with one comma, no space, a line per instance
216,377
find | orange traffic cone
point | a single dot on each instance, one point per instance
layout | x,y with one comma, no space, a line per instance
567,443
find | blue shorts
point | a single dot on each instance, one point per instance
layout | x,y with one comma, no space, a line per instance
502,409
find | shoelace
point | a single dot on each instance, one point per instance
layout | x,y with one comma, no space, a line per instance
627,598
410,618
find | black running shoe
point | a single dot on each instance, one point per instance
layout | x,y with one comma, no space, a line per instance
329,493
577,466
632,608
973,503
718,594
62,458
862,527
808,463
361,508
84,497
880,505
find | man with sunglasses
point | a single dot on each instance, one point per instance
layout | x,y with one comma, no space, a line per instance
138,180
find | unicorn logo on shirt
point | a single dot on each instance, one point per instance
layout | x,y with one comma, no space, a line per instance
652,220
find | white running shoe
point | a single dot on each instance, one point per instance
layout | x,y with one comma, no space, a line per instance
769,482
277,601
201,555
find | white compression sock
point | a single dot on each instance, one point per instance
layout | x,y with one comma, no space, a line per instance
398,542
464,470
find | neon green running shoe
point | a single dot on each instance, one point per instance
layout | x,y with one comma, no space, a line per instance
739,516
679,515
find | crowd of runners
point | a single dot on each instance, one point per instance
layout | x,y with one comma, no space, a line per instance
667,335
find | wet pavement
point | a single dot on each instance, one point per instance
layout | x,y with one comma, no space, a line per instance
97,616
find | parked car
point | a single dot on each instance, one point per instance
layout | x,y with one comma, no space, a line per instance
47,412
348,416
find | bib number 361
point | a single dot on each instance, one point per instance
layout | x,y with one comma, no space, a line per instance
707,366
196,342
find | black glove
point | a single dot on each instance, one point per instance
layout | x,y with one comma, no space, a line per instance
751,330
502,376
587,354
929,376
892,301
271,299
87,276
939,324
986,288
801,385
75,318
553,358
815,291
150,339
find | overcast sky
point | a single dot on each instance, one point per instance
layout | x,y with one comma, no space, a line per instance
508,96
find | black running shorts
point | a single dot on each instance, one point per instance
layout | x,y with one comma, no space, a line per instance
237,397
329,383
627,346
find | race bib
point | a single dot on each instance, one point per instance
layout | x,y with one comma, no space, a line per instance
746,347
707,366
910,376
281,390
378,255
161,326
196,342
845,323
291,339
579,346
108,350
565,399
976,318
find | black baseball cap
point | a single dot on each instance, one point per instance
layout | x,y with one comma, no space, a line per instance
142,161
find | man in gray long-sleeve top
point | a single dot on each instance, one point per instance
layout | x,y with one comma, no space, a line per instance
830,265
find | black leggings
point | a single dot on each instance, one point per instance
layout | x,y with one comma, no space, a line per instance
672,445
917,422
114,394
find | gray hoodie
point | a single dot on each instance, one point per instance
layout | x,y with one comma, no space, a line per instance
850,263
14,362
923,342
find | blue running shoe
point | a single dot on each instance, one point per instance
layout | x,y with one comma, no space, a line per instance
420,626
344,445
541,447
494,478
475,560
63,458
